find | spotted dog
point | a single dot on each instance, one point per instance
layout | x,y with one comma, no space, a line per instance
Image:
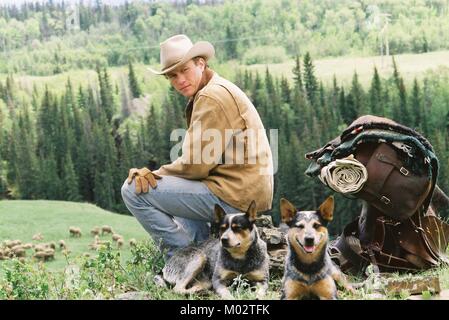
215,263
309,271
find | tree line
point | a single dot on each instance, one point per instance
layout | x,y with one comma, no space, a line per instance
79,145
49,38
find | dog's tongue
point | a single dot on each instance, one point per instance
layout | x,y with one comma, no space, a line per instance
309,249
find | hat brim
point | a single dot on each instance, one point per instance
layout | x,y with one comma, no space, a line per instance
200,49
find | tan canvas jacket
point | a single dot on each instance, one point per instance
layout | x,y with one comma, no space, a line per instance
240,177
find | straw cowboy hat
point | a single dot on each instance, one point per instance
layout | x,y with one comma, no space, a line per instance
180,49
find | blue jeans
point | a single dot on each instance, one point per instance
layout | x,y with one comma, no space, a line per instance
177,213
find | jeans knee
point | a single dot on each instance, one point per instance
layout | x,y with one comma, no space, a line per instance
130,196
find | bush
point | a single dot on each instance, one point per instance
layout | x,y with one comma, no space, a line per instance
24,282
265,54
102,276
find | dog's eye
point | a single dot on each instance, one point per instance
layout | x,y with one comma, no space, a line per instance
300,225
223,228
237,228
316,225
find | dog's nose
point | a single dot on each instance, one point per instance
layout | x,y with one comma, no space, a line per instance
309,241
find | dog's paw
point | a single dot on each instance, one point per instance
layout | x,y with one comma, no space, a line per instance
226,295
350,289
261,293
159,281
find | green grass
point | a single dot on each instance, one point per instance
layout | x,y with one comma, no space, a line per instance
21,219
133,271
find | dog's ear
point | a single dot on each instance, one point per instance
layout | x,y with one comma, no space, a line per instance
251,213
326,209
288,211
219,213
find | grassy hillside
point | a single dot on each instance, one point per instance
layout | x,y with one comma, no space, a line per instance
409,65
22,219
96,276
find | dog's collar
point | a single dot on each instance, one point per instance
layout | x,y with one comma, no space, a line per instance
307,268
254,258
307,278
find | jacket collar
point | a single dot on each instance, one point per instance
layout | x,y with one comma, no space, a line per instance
209,76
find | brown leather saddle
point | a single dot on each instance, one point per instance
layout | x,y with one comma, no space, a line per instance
403,233
417,243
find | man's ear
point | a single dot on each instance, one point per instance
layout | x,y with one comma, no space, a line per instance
326,209
204,64
201,61
251,213
219,214
288,211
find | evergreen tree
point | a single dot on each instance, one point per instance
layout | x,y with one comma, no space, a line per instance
273,100
417,107
106,93
105,165
24,165
396,76
85,165
82,100
133,83
248,82
70,185
127,153
427,105
50,185
425,45
92,106
334,104
230,44
310,81
35,99
154,138
177,102
375,94
297,75
46,121
325,113
3,94
404,116
125,100
357,94
168,126
44,26
64,138
285,91
346,107
260,98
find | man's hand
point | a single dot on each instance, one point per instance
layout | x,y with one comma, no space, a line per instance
144,177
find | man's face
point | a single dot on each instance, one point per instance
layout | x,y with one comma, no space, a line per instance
186,78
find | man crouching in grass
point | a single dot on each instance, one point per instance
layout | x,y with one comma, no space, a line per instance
178,208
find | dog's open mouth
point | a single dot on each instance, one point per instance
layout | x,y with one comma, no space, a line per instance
309,249
306,248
